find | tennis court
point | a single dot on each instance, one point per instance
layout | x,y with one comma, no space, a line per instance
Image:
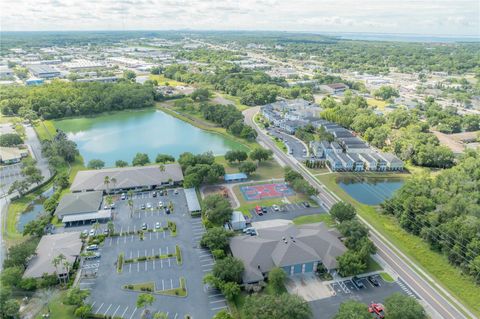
266,191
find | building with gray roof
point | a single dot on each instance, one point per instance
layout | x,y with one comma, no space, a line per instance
295,249
67,244
43,71
125,178
81,207
192,200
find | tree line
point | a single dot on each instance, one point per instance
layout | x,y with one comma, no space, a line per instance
444,211
62,99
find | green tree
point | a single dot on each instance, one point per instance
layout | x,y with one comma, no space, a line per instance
11,276
83,312
120,163
145,300
11,309
399,306
247,168
216,238
75,296
96,164
19,254
217,209
200,95
20,186
342,211
129,75
239,156
164,158
260,154
352,309
228,269
386,92
141,159
223,314
350,264
10,139
285,306
276,278
230,290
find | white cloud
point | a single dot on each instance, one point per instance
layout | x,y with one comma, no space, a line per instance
406,16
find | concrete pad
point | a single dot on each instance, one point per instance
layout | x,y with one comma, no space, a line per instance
271,223
308,286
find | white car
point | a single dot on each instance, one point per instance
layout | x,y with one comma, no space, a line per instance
149,206
157,225
92,232
176,192
123,197
160,204
275,208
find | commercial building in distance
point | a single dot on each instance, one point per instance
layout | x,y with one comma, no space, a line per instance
43,71
82,207
110,180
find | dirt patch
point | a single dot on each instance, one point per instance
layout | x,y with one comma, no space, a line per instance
308,286
218,189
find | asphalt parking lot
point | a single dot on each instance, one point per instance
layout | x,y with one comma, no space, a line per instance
293,144
107,296
10,174
346,290
287,211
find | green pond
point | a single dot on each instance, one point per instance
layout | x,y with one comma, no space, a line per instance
370,191
120,135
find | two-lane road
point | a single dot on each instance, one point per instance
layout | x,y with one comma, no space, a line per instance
428,290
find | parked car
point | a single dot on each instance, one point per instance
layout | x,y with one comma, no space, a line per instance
356,281
175,191
157,225
112,206
167,211
144,226
160,204
92,247
105,207
92,232
373,281
149,205
264,210
258,210
106,232
306,204
93,256
276,208
142,207
154,194
123,196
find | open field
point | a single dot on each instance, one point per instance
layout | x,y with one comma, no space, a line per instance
45,130
162,80
379,104
8,119
265,170
450,277
316,218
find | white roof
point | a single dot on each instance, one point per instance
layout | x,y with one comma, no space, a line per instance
101,214
192,200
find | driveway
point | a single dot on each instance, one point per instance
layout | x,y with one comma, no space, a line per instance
309,287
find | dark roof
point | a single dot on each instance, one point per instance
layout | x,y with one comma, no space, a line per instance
79,203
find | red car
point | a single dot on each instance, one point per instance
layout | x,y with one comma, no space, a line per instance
258,210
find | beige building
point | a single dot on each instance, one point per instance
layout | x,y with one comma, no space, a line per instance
11,155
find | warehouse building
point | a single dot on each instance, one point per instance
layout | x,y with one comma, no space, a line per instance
43,71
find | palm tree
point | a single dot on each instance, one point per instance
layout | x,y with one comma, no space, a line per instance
130,204
114,182
67,266
56,262
61,259
111,228
106,182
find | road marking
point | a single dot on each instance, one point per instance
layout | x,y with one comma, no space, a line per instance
169,263
216,295
216,301
171,283
161,263
207,270
176,314
219,308
130,267
123,314
153,263
207,265
93,304
163,284
134,310
107,309
99,308
138,267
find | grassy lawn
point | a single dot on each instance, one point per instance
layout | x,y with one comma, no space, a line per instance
265,170
372,265
201,123
234,99
377,103
385,276
162,80
437,265
142,287
316,218
45,130
315,171
58,310
8,119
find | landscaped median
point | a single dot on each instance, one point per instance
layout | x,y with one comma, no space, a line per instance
121,260
451,278
150,287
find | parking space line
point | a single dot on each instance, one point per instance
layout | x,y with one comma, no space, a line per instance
123,314
216,301
93,304
99,308
216,295
207,270
138,267
169,263
163,284
176,315
171,283
107,309
219,308
134,310
130,267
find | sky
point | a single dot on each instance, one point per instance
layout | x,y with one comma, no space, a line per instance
429,17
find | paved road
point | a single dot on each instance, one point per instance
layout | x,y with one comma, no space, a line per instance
408,271
34,143
296,148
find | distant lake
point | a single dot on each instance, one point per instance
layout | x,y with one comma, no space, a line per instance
399,37
370,191
120,135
